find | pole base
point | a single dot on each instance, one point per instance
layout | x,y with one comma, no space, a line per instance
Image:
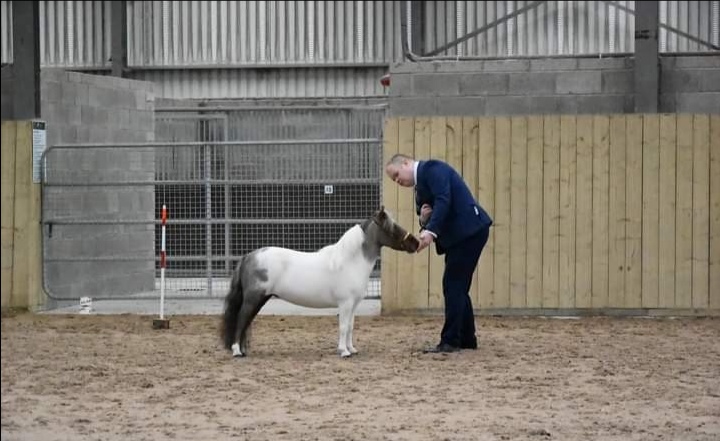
161,324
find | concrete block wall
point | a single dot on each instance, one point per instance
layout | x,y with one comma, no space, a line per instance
690,84
82,108
548,86
512,87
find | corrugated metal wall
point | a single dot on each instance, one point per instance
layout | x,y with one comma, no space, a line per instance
563,27
75,33
552,28
325,37
166,33
320,33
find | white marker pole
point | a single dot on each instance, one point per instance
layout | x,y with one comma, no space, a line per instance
162,265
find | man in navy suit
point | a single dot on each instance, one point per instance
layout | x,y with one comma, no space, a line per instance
452,218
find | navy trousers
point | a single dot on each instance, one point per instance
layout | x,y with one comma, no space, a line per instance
460,263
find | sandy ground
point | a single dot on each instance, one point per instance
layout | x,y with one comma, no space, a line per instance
114,378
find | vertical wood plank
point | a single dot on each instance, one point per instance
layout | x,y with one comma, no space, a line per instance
36,293
7,162
601,170
650,216
584,213
551,211
534,227
501,266
470,176
486,198
388,258
633,212
438,150
454,140
567,237
23,181
518,212
714,261
701,211
616,224
420,261
405,216
666,265
684,215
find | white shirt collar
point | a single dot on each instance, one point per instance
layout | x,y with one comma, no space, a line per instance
415,168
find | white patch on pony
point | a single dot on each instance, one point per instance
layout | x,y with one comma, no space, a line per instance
236,350
349,243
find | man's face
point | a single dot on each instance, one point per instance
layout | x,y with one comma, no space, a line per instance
402,174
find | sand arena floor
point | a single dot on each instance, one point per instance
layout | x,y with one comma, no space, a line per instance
114,378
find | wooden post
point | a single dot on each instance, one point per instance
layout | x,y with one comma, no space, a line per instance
21,229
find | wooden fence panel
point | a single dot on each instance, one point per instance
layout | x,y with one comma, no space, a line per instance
595,212
486,198
389,257
534,216
501,268
518,210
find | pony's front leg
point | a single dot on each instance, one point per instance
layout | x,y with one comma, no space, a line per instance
350,345
344,319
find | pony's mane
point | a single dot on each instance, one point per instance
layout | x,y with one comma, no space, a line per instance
349,243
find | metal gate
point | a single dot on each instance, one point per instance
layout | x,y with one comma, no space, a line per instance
102,205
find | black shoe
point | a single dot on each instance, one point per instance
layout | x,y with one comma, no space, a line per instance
441,348
471,345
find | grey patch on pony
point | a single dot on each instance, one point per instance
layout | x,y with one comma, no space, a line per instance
243,303
370,247
261,274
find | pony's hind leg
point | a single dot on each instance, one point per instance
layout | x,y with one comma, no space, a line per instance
253,303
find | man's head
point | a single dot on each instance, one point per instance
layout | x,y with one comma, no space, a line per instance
400,168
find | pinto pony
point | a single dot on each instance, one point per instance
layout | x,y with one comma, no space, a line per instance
336,276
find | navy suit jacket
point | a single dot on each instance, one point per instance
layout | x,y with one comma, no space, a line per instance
456,215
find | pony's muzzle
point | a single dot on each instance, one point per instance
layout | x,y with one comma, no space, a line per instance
410,243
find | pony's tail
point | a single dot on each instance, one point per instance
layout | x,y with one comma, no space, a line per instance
233,303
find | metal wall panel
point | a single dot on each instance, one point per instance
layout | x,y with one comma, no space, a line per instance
226,33
248,34
75,34
563,27
552,28
700,19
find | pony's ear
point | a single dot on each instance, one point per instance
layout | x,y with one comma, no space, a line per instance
381,215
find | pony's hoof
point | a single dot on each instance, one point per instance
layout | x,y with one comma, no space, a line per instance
345,354
353,351
236,352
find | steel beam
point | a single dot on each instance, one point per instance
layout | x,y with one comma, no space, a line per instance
118,31
26,62
647,62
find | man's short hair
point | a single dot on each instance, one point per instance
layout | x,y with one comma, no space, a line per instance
398,159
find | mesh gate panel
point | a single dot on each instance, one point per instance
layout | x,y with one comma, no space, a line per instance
101,222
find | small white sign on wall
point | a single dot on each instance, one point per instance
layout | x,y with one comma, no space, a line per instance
329,189
39,140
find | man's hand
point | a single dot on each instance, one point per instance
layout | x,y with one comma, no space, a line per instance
425,240
425,212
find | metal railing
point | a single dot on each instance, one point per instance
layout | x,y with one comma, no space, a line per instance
101,209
